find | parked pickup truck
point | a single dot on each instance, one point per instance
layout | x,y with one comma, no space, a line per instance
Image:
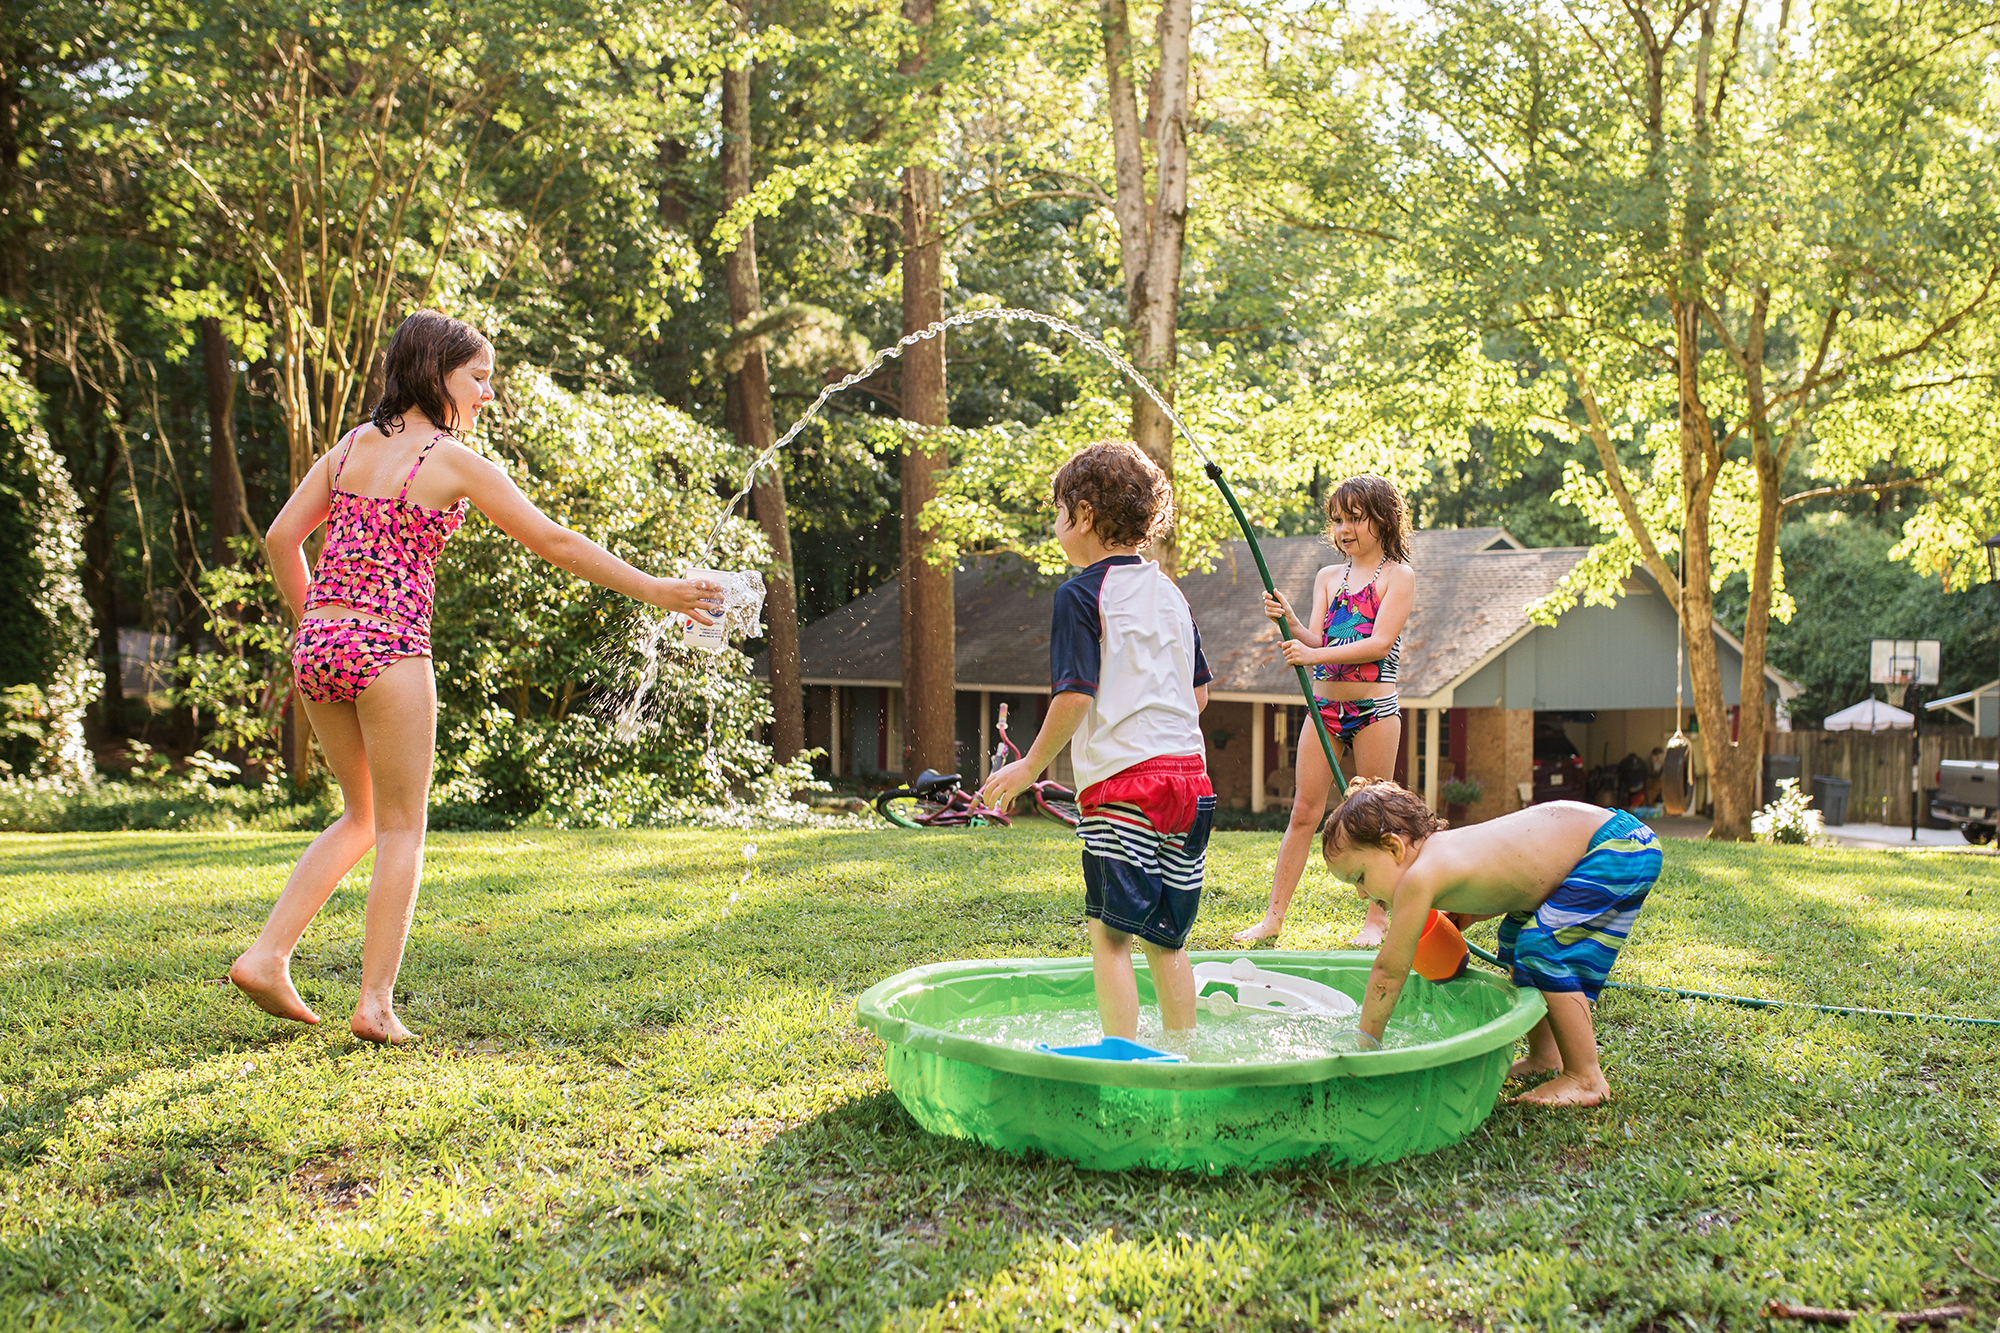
1968,795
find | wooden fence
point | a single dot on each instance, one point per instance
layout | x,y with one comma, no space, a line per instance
1878,764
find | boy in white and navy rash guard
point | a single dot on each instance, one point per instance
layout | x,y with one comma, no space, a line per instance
1128,683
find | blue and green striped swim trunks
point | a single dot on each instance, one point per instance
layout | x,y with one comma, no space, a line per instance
1572,939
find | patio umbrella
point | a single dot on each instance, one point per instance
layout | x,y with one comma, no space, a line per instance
1869,715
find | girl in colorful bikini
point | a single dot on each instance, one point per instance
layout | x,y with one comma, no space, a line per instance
391,493
1359,608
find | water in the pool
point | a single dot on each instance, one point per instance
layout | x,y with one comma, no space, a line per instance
1230,1038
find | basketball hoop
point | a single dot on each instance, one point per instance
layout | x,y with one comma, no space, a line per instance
1898,664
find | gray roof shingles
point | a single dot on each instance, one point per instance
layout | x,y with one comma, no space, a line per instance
1470,601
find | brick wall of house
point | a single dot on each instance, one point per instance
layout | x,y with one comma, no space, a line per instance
1500,752
1227,728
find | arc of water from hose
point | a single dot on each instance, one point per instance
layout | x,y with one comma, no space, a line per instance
1118,363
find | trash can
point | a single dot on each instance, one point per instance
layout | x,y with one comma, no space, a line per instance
1830,795
1778,767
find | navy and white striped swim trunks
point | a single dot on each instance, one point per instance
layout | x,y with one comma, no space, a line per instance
1145,844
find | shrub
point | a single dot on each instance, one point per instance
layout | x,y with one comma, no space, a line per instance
531,661
200,796
1789,819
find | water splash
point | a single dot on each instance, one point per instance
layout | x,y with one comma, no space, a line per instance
631,717
1234,1038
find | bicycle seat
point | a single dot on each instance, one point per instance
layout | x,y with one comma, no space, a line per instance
930,781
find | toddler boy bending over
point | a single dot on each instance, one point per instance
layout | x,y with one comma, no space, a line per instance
1128,683
1569,878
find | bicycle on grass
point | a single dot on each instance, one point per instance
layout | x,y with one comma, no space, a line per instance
941,800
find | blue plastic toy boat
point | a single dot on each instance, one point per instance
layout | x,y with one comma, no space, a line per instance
1114,1048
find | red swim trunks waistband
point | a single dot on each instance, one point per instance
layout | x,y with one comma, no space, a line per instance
1160,766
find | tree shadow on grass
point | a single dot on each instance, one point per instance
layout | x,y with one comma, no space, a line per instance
30,1122
69,855
1780,926
566,944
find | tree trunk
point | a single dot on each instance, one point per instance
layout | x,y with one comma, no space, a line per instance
1764,558
184,722
13,225
225,477
929,628
100,589
755,429
1731,775
377,382
1733,761
1151,230
670,157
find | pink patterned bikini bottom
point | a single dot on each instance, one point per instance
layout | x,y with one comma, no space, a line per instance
335,660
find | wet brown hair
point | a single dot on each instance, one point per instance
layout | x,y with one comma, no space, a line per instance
426,347
1131,501
1373,809
1376,501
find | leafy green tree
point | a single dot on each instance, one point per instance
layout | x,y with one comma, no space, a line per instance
1850,589
355,162
364,159
1723,242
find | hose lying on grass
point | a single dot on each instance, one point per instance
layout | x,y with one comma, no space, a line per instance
1752,1002
1936,1317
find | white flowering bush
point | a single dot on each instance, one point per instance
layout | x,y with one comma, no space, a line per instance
46,641
1789,819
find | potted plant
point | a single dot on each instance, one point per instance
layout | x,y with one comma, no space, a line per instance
1459,793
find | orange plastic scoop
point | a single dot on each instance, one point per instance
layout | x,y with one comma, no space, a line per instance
1441,951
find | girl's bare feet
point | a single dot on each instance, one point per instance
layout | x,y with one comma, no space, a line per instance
1531,1064
267,980
1567,1090
378,1023
1266,929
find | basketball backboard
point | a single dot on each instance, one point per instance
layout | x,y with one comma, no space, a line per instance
1903,661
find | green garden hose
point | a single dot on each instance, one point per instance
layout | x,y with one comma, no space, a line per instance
1752,1002
1264,572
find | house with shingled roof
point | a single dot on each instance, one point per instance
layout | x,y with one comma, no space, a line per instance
1480,680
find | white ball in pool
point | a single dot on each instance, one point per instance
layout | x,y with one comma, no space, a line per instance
1243,969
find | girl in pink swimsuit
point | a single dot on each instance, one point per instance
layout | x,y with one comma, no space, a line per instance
1359,609
362,653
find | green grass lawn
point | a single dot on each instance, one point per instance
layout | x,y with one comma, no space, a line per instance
639,1104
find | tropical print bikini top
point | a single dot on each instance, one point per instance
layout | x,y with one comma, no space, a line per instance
1350,617
381,554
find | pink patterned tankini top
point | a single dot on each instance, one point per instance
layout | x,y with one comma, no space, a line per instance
381,554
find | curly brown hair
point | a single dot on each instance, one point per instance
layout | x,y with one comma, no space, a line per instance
1376,501
1131,501
1372,809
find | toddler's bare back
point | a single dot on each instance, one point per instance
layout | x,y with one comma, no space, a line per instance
1509,864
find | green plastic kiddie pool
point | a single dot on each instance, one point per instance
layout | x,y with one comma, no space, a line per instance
1353,1106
